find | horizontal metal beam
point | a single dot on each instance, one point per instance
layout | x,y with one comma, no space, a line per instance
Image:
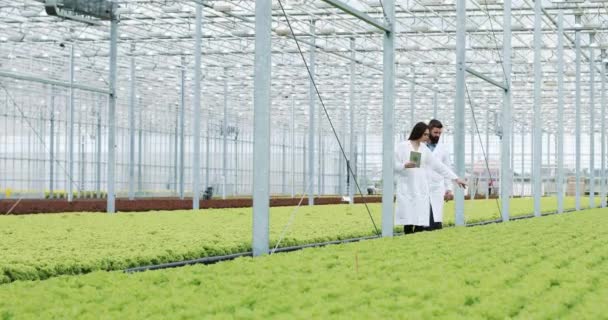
59,83
356,13
487,79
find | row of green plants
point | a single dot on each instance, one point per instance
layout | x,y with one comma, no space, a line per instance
553,267
42,246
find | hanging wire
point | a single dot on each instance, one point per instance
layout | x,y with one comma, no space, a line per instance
350,170
494,37
37,134
292,217
485,155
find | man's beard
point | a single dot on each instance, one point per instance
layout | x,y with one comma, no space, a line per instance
434,140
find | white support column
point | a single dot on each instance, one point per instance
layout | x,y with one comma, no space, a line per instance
175,151
312,98
523,160
435,101
603,129
225,136
364,172
560,112
293,142
70,177
547,180
388,111
351,148
208,156
235,185
459,105
412,99
512,190
52,144
537,127
488,173
182,128
111,200
261,119
505,156
283,162
472,190
132,124
196,136
592,120
577,41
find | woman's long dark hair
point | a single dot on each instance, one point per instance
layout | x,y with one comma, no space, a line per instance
418,131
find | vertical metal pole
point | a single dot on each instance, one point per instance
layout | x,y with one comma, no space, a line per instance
41,164
175,151
52,147
487,154
311,119
261,114
388,111
412,98
225,136
284,163
459,124
132,127
577,41
293,144
472,190
70,177
341,162
512,177
98,152
319,154
29,169
537,127
140,154
351,148
83,180
592,120
548,160
207,156
182,127
523,151
196,156
603,130
532,146
560,112
505,182
111,201
235,188
304,177
435,102
364,172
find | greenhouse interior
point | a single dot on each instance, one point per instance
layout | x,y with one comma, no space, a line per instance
242,159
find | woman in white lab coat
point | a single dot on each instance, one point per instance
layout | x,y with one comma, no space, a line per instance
413,206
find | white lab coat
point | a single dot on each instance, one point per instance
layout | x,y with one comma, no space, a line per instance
438,184
413,202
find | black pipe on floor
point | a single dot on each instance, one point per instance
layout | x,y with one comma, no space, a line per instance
216,259
483,223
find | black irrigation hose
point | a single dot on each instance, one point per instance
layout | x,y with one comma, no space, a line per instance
206,260
483,223
216,259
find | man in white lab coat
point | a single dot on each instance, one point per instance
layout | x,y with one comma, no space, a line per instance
439,187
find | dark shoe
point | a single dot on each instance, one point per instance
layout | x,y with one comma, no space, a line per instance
408,229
